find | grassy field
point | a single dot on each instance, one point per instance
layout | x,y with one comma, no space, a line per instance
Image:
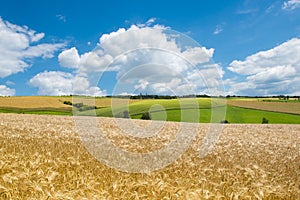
142,106
244,115
243,110
234,115
41,157
172,111
41,111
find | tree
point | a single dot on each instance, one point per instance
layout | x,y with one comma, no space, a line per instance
265,121
224,121
126,114
146,116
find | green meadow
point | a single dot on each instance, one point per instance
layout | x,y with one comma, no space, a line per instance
203,110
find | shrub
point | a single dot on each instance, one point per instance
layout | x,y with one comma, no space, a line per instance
68,103
224,121
146,116
78,105
81,107
124,114
265,121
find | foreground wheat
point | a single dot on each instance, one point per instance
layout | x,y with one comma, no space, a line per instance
41,157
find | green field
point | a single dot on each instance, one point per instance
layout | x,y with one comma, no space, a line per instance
170,110
41,111
203,110
245,115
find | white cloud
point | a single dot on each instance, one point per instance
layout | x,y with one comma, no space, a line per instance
6,91
61,17
126,94
219,29
198,55
62,83
17,47
121,41
142,85
69,58
275,71
150,21
94,61
150,58
9,83
53,83
291,5
90,61
175,86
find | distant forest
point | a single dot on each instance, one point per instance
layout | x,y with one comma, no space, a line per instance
153,96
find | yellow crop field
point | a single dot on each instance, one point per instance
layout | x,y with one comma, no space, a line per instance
42,157
285,107
56,102
33,102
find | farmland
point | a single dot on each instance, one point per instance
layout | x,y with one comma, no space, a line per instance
285,107
42,157
49,105
242,110
171,110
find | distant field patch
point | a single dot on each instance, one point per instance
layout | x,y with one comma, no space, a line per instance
53,105
284,107
233,115
250,116
33,102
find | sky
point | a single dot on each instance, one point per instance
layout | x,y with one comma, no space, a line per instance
99,48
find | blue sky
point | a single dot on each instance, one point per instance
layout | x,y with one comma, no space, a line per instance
246,47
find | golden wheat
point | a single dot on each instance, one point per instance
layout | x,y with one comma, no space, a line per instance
33,102
42,157
57,102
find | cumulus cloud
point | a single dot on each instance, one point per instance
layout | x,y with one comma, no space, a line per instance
63,83
275,71
151,58
94,61
6,91
18,45
69,58
291,5
197,55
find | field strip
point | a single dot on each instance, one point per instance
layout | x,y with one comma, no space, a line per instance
179,109
34,102
283,107
42,157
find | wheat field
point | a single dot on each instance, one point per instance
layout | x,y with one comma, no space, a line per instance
57,102
42,157
33,102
